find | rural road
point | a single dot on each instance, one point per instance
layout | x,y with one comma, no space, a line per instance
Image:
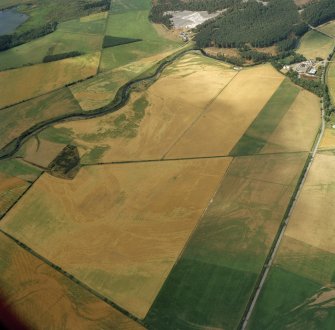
273,252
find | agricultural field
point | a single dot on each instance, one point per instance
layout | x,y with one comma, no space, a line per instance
138,27
35,111
44,78
211,283
328,28
162,212
125,259
299,291
15,178
50,299
315,44
331,79
159,114
84,34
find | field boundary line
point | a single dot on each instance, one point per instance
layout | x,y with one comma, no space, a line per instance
195,228
104,35
205,109
20,197
282,228
188,158
72,278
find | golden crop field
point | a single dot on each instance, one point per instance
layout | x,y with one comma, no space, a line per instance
153,120
299,126
226,119
135,217
44,299
44,78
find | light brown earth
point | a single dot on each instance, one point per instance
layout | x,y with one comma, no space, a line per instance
118,228
45,299
299,126
175,101
220,127
312,220
27,82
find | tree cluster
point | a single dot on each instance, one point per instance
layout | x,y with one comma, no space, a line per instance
13,40
110,41
61,56
319,12
251,22
102,4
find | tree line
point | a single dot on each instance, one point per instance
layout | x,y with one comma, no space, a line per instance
319,12
13,40
254,23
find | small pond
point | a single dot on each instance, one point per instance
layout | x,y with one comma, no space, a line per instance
10,19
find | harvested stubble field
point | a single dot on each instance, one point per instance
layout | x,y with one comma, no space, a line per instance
44,78
15,179
45,299
125,225
211,283
34,111
315,44
148,129
100,90
328,28
300,289
227,117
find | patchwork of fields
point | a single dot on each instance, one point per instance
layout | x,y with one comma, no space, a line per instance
179,194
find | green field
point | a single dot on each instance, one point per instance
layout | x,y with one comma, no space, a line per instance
213,280
132,22
255,138
33,112
299,292
315,44
84,35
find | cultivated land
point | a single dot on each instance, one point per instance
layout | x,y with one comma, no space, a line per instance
83,34
161,114
45,299
133,23
44,78
34,111
328,28
225,119
179,194
299,292
137,225
315,44
211,283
